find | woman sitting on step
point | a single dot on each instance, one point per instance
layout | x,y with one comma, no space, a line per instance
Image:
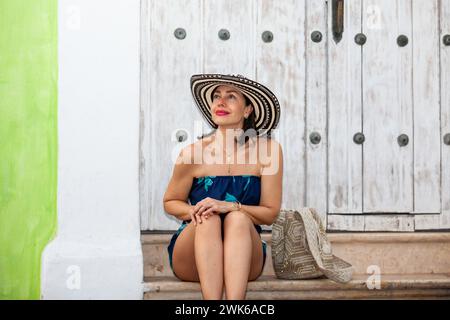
219,242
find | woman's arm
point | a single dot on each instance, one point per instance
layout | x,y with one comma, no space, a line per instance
175,197
271,188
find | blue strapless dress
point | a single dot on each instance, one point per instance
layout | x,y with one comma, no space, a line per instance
244,188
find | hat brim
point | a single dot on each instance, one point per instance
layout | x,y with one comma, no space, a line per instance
265,103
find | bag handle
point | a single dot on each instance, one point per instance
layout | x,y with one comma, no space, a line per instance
340,270
278,246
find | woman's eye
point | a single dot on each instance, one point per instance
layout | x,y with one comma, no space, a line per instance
231,96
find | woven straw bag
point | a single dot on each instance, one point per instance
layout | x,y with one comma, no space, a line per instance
301,250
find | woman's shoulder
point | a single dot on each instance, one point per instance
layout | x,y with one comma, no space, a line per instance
271,156
191,151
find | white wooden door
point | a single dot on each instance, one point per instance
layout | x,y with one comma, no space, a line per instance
385,90
331,89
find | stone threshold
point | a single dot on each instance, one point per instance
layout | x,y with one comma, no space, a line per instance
412,286
376,237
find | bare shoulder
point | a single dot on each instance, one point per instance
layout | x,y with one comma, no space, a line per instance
274,143
270,157
186,156
191,156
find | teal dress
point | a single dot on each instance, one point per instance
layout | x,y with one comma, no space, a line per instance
244,188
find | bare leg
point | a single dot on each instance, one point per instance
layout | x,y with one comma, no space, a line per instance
183,258
209,257
243,257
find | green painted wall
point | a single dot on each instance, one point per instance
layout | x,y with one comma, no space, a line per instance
28,142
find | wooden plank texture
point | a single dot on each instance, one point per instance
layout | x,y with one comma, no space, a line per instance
345,115
145,181
442,221
235,55
172,62
386,166
316,107
370,223
427,146
280,65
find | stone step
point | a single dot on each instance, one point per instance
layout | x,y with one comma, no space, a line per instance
413,286
381,252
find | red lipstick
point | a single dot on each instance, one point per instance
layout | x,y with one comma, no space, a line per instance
221,113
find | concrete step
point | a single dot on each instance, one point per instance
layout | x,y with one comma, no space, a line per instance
381,252
415,286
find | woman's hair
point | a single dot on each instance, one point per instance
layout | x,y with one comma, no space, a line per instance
249,127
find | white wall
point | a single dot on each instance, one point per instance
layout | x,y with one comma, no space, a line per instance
97,252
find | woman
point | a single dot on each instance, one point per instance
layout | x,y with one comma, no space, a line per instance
218,242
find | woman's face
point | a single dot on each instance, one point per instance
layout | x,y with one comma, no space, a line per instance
228,108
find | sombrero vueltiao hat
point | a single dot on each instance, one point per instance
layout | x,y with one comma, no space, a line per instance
265,104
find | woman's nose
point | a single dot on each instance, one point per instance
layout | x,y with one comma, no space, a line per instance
221,101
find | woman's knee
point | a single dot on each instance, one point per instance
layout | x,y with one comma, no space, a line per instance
237,219
210,225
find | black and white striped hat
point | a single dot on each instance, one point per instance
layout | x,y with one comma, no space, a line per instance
265,104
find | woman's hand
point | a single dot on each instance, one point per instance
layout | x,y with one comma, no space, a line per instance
195,218
209,206
197,212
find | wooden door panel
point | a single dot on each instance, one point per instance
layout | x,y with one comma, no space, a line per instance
235,55
387,107
345,115
171,62
280,65
427,137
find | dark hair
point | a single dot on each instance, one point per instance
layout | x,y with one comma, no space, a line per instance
249,123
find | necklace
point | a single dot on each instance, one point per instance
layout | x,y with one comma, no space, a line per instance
229,162
228,158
